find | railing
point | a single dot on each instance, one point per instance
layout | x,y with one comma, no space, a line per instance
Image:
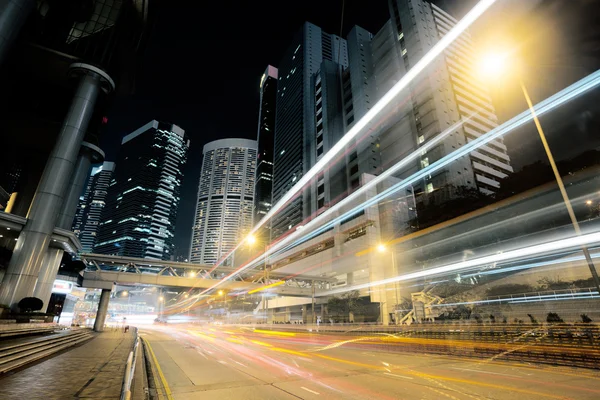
130,369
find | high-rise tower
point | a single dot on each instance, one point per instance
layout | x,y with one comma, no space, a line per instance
296,125
225,198
143,197
91,205
266,129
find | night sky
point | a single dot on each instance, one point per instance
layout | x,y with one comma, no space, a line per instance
204,62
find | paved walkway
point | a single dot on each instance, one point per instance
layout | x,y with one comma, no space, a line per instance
94,370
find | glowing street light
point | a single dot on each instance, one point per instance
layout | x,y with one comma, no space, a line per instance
161,298
221,293
589,202
494,65
381,248
125,293
192,274
251,240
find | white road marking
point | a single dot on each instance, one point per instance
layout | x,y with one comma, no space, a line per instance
485,372
223,362
202,354
398,376
237,362
308,390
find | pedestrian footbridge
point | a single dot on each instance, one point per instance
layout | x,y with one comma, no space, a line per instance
103,271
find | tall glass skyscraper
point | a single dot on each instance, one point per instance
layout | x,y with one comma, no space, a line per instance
266,129
296,122
225,198
143,197
91,205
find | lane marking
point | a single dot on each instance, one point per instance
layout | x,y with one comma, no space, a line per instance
160,373
237,362
485,372
223,362
398,376
308,390
202,354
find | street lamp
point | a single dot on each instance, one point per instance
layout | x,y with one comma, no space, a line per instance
495,64
252,240
382,248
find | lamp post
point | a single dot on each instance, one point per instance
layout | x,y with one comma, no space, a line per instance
495,64
382,248
251,240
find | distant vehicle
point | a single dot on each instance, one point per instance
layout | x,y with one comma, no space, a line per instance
160,321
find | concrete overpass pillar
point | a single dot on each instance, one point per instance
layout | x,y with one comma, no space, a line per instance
13,14
26,262
102,310
88,154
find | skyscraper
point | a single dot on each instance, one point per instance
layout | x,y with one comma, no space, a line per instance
266,128
295,126
225,198
447,93
91,205
143,197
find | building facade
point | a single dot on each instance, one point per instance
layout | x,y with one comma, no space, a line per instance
266,129
448,93
295,126
143,196
225,199
91,205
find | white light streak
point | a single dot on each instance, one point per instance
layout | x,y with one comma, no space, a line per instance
548,247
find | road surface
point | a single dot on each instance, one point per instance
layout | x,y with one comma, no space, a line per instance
212,362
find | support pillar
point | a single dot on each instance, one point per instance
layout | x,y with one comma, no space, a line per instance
51,264
13,14
32,244
102,310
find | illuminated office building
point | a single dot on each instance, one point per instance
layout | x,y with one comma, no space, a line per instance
143,197
225,199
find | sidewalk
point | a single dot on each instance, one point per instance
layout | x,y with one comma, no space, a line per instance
94,370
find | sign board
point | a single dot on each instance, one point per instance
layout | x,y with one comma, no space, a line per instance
62,287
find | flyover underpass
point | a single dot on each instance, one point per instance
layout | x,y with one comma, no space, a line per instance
104,269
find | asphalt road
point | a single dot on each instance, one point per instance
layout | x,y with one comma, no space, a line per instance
210,362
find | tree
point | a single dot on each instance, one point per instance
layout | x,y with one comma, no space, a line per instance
553,318
29,304
347,303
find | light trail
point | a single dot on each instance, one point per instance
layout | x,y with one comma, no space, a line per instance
543,107
272,285
402,84
548,247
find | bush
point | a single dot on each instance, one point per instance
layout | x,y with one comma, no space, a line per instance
584,283
553,318
509,288
29,304
585,319
549,284
532,318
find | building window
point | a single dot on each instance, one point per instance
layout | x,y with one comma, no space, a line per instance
425,162
429,187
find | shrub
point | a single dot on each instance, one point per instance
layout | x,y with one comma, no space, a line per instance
553,318
585,319
532,318
29,304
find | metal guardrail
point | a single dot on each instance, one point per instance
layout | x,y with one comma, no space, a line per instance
130,368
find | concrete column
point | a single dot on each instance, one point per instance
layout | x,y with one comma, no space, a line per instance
32,244
51,264
13,14
102,310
